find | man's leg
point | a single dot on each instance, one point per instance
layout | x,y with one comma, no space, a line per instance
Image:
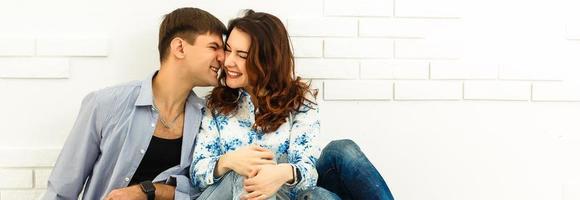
345,170
317,193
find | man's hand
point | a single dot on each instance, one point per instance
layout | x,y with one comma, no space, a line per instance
127,193
267,181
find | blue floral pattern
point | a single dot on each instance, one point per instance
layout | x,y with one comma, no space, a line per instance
294,142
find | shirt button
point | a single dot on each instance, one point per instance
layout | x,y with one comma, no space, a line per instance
127,179
152,124
142,151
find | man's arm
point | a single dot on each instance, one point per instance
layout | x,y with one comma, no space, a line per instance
78,154
134,192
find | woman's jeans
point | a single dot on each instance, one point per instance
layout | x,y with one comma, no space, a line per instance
343,169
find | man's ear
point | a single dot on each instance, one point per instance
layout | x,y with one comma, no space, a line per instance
176,46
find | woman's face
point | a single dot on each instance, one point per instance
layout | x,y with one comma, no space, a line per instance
237,48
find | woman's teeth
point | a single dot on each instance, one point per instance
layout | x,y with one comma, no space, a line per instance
234,74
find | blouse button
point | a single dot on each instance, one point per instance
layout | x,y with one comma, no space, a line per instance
142,151
127,179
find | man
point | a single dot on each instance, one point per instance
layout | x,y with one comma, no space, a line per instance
125,136
135,140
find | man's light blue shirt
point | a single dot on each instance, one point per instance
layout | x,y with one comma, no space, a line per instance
109,139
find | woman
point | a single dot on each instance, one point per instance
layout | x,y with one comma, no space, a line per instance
257,138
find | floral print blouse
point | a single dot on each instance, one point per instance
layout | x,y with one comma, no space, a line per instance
294,142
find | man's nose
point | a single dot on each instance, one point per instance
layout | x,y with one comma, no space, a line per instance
221,56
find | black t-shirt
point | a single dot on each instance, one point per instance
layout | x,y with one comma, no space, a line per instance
161,155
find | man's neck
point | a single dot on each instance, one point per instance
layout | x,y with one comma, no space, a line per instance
171,89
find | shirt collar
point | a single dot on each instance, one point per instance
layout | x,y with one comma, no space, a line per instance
145,97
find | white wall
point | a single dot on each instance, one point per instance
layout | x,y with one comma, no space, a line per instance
450,99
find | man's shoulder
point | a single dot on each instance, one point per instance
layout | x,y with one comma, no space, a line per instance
115,95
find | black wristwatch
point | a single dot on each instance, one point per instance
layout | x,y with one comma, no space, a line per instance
149,189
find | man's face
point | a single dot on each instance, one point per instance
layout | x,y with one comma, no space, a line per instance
204,58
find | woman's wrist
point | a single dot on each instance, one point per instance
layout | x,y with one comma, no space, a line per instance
222,166
287,172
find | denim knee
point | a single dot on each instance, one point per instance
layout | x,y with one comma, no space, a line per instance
344,148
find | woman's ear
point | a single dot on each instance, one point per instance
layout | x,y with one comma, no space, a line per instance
177,48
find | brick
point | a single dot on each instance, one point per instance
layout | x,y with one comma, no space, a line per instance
497,90
428,90
394,69
358,48
22,194
427,49
529,71
427,8
26,157
16,46
34,68
72,46
556,91
358,90
307,47
408,28
358,8
327,69
41,178
15,178
323,27
463,70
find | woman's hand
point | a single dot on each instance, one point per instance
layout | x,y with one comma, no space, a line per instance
267,181
244,160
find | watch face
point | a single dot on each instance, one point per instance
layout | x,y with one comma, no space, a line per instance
147,186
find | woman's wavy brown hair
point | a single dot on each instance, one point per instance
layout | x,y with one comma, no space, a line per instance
274,88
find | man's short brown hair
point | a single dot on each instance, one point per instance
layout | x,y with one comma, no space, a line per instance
187,23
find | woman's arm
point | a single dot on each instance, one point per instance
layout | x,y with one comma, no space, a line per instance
302,155
206,153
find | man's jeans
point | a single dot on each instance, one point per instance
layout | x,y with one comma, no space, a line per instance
344,170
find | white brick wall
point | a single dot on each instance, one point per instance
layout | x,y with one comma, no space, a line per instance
327,68
427,49
307,47
463,70
358,90
556,91
16,178
428,90
323,27
413,82
400,69
358,48
497,90
382,8
16,46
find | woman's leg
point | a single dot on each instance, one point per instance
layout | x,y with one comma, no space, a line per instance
345,170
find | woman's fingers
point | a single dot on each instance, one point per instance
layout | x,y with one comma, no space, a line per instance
266,155
252,195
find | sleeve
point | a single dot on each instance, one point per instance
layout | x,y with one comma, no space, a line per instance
78,154
304,147
183,188
206,153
